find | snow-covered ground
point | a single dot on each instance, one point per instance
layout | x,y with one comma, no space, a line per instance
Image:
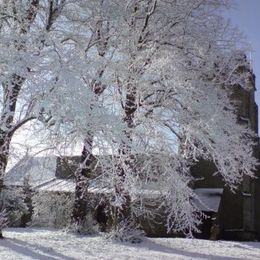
49,244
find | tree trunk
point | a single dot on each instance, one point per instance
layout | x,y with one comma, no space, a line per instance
4,152
83,174
123,211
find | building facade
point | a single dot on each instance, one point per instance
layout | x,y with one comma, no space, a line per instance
238,214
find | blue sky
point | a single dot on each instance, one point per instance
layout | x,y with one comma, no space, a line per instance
246,16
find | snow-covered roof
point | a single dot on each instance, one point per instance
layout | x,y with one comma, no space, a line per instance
41,174
62,185
209,199
37,169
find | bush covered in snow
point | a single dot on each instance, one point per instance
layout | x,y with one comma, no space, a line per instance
13,205
3,219
127,231
52,209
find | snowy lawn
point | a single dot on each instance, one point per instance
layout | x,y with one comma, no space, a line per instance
48,244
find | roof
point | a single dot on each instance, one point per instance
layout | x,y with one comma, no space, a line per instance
208,199
36,169
69,185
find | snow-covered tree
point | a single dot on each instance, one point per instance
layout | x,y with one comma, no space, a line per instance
26,45
177,64
149,82
97,24
169,76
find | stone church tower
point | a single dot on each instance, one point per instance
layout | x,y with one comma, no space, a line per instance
238,214
240,211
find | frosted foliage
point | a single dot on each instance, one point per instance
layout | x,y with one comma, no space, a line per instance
29,64
180,70
200,115
175,196
13,199
158,186
167,75
148,82
12,205
127,231
51,210
55,209
3,219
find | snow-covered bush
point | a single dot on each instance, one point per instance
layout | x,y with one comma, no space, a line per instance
13,205
88,227
3,219
54,209
51,209
127,231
